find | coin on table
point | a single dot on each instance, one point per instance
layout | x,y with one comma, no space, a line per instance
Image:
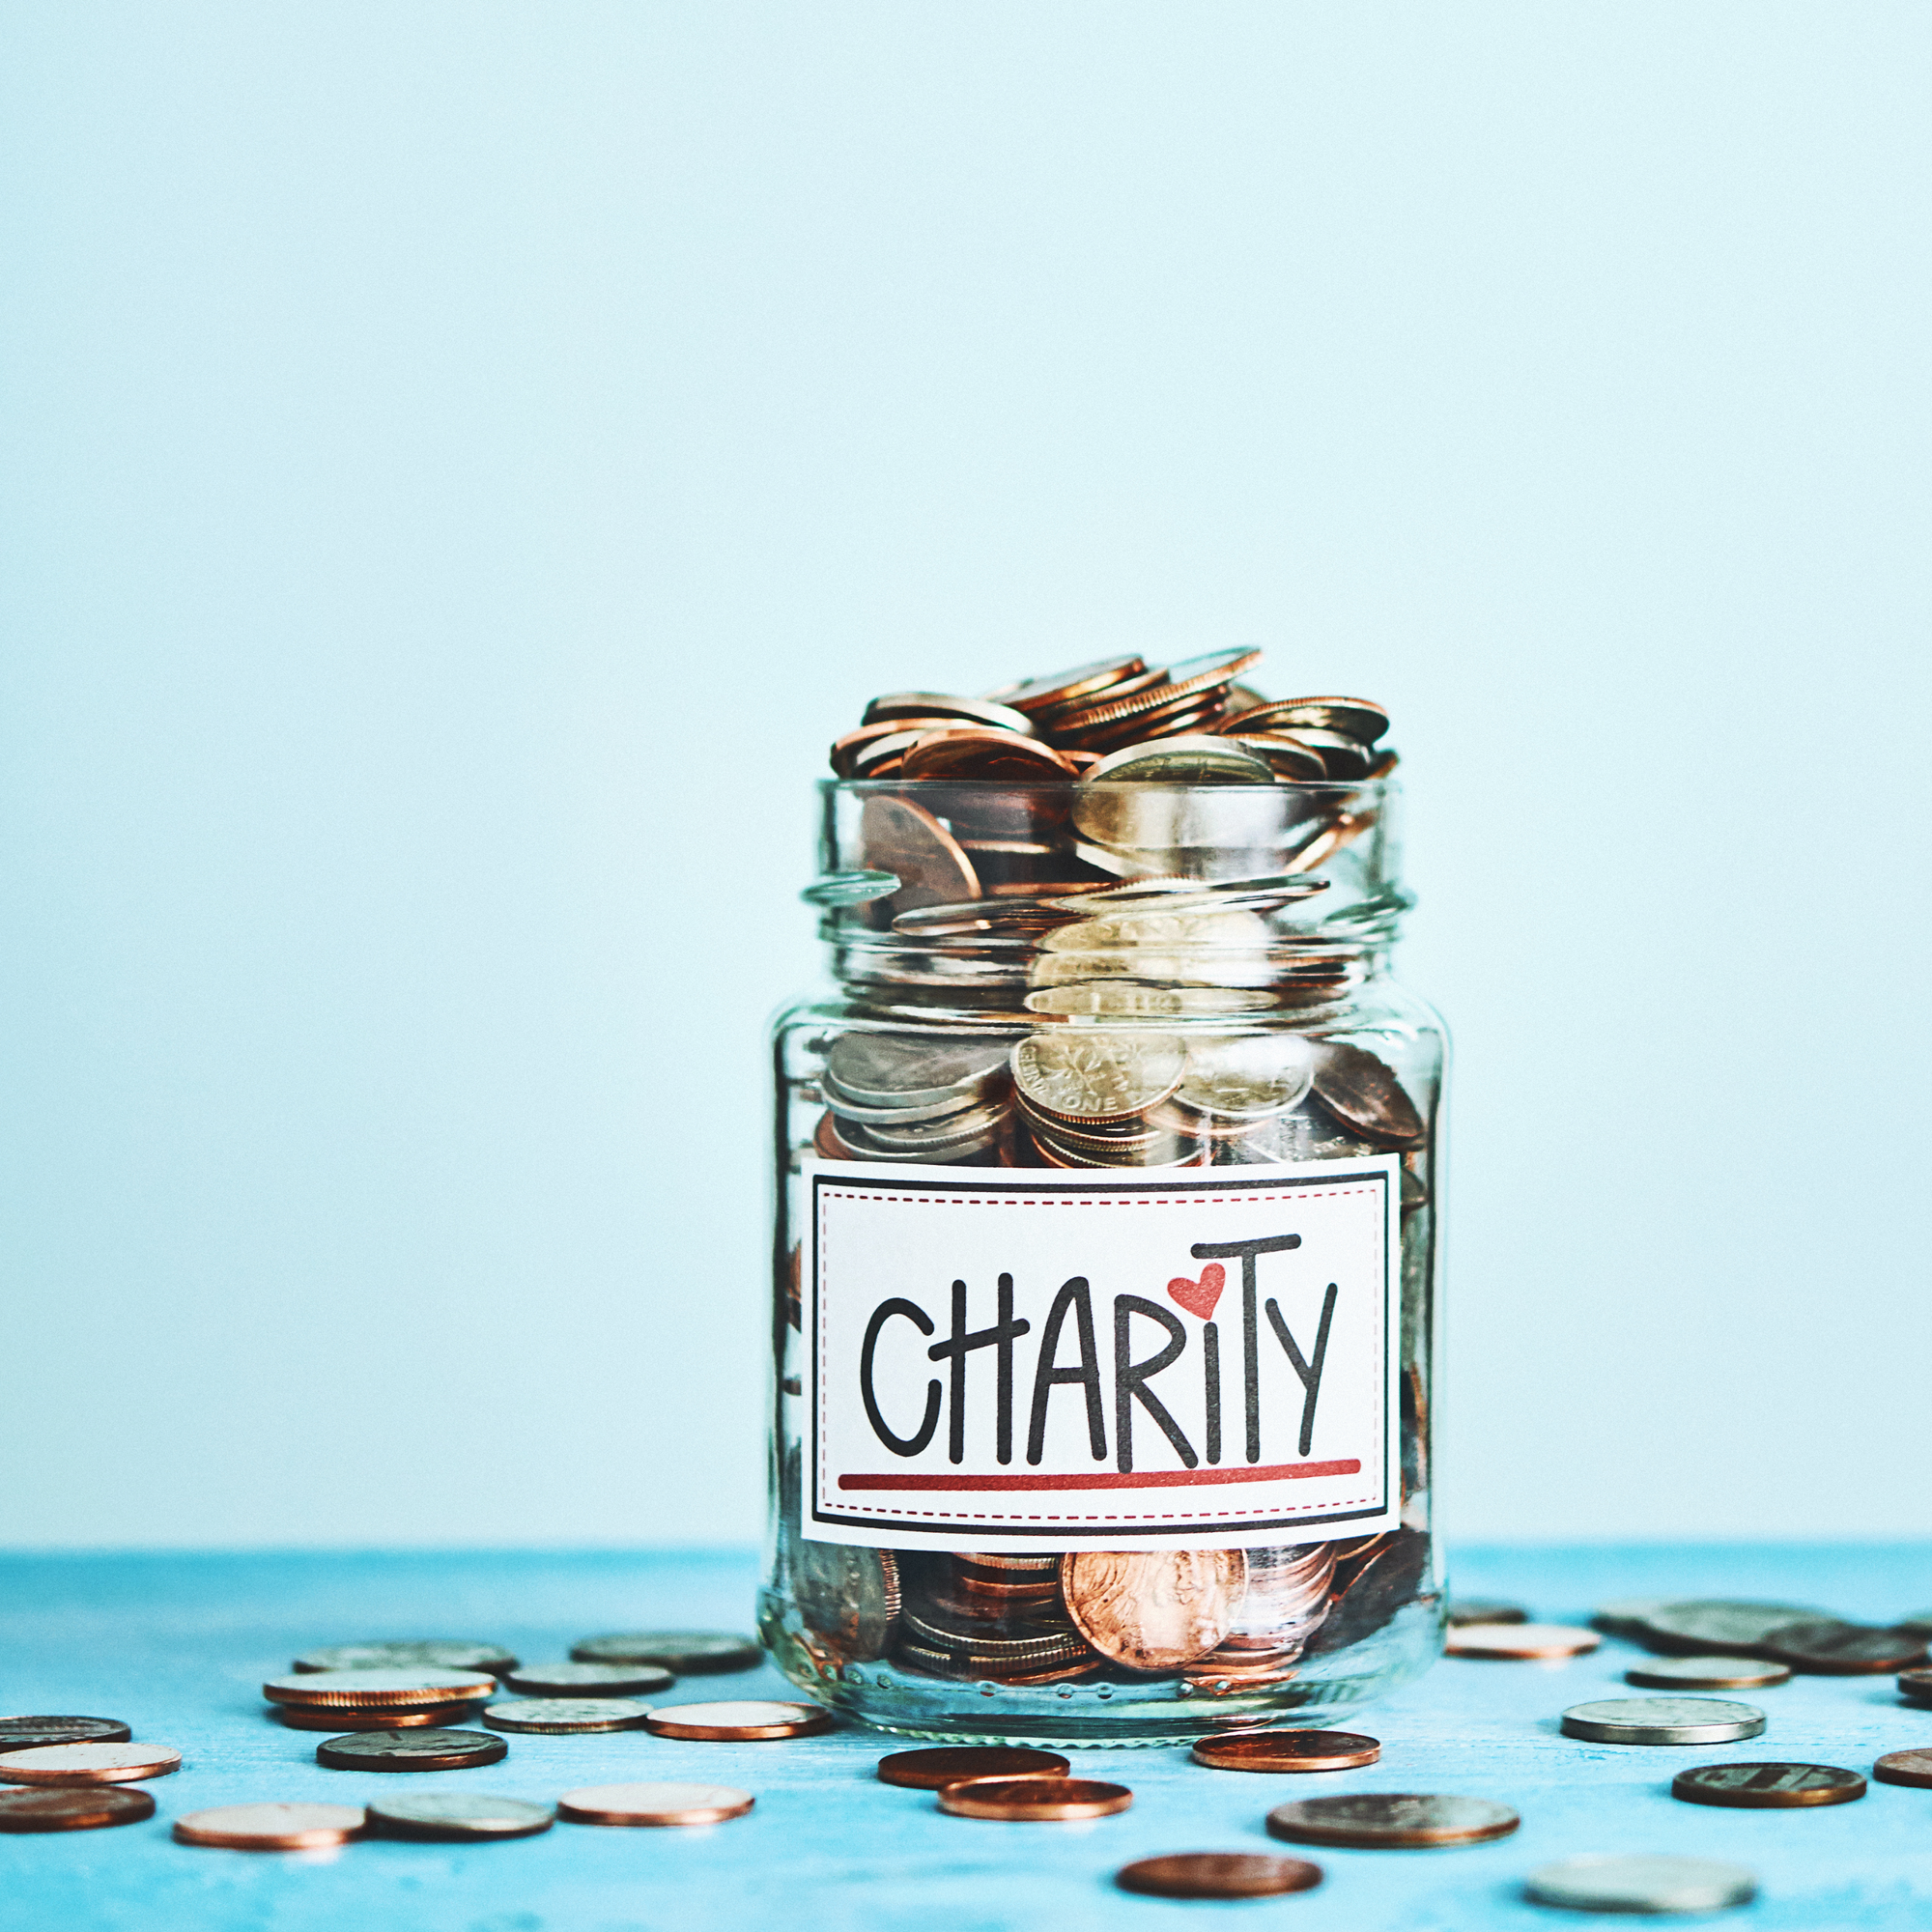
1362,1092
1520,1641
747,1719
411,1750
431,1653
271,1828
1093,1074
1288,1751
1482,1610
653,1803
30,1733
1719,1624
951,1763
1833,1648
1624,1616
1662,1720
88,1764
1033,1801
588,1680
688,1653
456,1814
1707,1673
437,1716
1767,1787
1153,1610
1217,1875
1605,1882
370,1690
566,1716
1395,1820
72,1811
1919,1623
1916,1685
1906,1767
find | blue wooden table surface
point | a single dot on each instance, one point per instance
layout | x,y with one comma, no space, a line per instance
177,1646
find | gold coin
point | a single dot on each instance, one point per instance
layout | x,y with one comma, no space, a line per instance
1153,1610
653,1803
271,1828
88,1764
1033,1800
749,1719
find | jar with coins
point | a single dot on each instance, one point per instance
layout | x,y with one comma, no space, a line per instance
1107,1218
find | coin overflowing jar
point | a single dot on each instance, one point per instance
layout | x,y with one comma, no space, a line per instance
1106,1244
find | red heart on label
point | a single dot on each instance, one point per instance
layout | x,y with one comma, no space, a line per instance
1199,1297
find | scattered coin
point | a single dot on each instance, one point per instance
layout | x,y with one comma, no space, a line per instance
1217,1875
749,1718
271,1828
1520,1640
1624,1616
949,1764
1713,1624
72,1811
1153,1610
1707,1673
1919,1623
1767,1787
1033,1800
30,1733
588,1680
1287,1751
1906,1767
411,1750
88,1764
566,1716
299,1717
1833,1648
687,1653
370,1690
653,1803
1482,1610
456,1814
1611,1883
1916,1685
1394,1820
431,1653
1662,1720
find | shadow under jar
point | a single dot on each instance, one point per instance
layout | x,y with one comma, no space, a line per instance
1105,1250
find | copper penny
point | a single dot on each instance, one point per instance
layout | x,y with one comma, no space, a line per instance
1217,1875
88,1764
431,1717
1153,1610
1906,1767
845,750
1767,1787
653,1803
1520,1640
72,1811
906,840
1041,693
1916,1685
1288,1751
1033,1800
950,1764
271,1828
944,704
1362,1092
747,1719
1394,1820
1833,1648
981,755
370,1690
418,1654
27,1733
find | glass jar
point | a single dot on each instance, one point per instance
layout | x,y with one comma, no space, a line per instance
1105,1250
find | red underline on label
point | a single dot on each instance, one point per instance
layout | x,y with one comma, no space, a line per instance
1107,1479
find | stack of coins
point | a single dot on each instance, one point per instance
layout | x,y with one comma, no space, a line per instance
890,1098
961,1627
352,1700
1088,1099
1286,1601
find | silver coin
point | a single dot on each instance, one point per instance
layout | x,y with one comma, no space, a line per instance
939,1153
950,1131
1392,1820
855,1110
882,1071
565,1716
1252,1079
686,1651
1607,1883
850,889
1623,1616
1166,826
431,1653
1662,1720
1919,1623
1088,1075
1183,761
1707,1673
588,1680
848,1597
942,704
1484,1609
1145,999
458,1815
1713,1624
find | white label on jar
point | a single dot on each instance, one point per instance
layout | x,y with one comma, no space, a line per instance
1005,1359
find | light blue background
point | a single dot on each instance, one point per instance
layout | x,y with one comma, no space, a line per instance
463,461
